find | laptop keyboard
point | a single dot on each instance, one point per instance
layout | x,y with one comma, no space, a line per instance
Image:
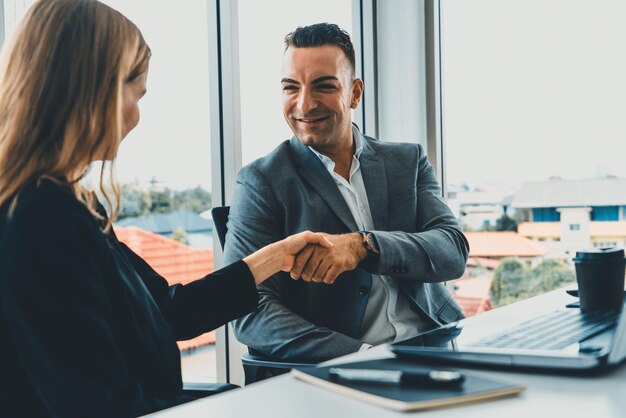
553,331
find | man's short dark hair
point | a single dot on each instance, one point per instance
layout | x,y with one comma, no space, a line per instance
321,34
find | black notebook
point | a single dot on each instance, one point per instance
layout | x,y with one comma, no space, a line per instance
406,398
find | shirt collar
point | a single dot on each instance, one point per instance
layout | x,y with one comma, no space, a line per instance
358,149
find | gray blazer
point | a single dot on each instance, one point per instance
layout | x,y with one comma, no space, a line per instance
289,191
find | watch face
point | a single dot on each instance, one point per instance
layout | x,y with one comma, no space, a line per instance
369,242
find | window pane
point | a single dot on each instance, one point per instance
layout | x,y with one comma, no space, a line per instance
164,164
13,12
534,130
261,47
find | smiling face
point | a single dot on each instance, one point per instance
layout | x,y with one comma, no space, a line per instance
318,96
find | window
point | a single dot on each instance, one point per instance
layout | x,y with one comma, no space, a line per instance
545,215
13,12
164,164
261,46
605,213
532,95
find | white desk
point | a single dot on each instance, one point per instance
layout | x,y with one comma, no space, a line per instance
546,395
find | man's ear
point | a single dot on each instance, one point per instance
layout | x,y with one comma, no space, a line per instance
357,92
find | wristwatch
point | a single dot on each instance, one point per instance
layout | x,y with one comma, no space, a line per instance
369,242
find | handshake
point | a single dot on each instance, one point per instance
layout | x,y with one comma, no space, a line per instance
319,257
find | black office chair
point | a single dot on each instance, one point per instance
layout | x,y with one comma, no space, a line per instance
256,366
202,390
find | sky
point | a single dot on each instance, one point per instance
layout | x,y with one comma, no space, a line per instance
532,88
172,142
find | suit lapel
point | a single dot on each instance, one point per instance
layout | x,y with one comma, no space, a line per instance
313,172
375,180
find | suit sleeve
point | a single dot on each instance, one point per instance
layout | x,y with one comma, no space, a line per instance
437,251
273,329
60,317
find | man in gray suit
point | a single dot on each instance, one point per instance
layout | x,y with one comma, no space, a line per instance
395,240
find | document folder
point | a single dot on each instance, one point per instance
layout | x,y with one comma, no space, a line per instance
405,398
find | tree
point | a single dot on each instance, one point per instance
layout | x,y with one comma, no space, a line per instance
161,201
487,227
180,235
508,281
197,199
523,215
137,201
513,281
506,223
552,274
134,202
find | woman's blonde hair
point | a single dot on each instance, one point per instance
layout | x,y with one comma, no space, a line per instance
61,80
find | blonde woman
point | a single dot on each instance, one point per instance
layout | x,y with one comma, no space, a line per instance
87,328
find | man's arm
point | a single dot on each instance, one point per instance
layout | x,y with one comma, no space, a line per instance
256,220
436,252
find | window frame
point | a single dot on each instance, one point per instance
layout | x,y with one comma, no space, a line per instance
375,23
226,155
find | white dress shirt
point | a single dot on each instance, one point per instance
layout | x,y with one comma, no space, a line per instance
399,320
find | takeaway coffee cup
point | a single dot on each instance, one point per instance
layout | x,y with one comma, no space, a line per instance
600,277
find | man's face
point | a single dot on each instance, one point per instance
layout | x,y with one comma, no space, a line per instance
318,96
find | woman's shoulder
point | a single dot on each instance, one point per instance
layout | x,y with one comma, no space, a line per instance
47,204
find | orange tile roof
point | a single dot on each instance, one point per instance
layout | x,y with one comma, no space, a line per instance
488,263
176,262
472,294
503,244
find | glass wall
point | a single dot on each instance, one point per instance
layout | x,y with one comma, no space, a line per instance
534,133
164,164
261,49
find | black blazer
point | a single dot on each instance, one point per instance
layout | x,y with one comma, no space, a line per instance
87,328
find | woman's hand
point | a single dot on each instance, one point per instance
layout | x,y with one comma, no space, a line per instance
294,244
281,255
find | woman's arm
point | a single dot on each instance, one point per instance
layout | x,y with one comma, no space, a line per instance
59,316
223,295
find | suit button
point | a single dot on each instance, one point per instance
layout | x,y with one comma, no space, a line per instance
363,290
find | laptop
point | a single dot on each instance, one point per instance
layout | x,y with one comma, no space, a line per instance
560,340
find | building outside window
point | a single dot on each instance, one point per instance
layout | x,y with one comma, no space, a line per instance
533,113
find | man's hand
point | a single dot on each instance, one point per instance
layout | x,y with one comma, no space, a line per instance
281,255
293,245
324,264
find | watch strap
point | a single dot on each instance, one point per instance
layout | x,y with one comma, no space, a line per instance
369,242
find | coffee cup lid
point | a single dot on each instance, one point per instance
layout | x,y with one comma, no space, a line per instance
596,254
